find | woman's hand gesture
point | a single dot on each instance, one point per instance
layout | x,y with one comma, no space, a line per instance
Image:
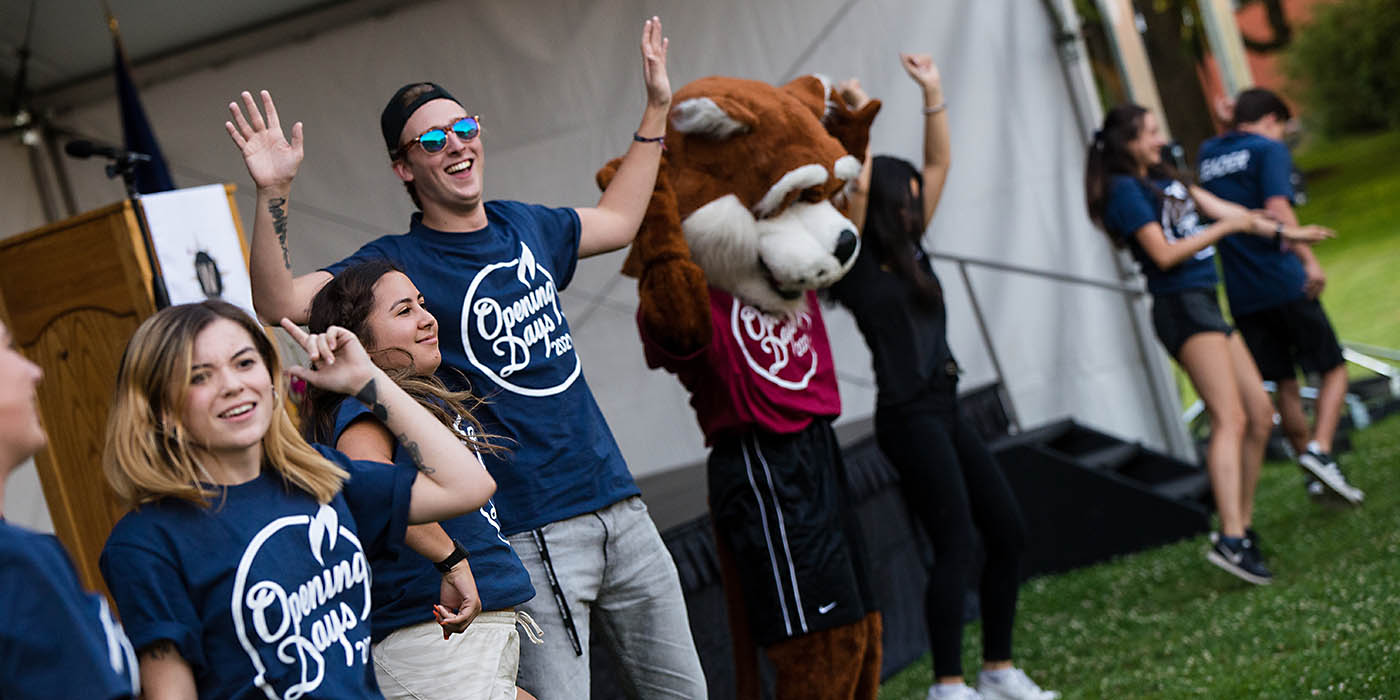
851,91
654,47
921,68
1310,233
1263,226
335,359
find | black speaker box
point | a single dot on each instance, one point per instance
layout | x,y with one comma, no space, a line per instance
1088,496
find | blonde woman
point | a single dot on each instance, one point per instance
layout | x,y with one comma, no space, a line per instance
243,569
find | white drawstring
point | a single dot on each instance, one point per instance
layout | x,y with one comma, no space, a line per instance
532,628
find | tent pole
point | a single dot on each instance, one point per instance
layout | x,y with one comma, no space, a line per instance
1079,81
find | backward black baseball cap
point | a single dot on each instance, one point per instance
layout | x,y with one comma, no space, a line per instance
402,106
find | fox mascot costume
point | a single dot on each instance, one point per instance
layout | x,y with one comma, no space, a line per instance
745,223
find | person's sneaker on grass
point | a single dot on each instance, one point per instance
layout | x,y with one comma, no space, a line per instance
1238,557
1321,465
952,691
1011,684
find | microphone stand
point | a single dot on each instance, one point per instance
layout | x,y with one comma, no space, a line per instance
125,166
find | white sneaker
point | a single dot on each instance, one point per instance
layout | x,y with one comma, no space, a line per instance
952,691
1011,684
1325,469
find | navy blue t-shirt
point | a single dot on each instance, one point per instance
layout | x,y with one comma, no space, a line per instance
406,586
1248,169
56,639
495,293
265,593
1133,203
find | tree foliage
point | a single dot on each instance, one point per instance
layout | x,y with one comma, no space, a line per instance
1348,63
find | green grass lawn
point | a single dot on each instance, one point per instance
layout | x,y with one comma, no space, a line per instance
1353,186
1167,624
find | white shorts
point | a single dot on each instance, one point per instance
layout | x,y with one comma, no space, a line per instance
416,663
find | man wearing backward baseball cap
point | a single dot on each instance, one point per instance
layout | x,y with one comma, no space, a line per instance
490,272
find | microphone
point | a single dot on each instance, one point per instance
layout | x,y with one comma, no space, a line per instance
82,148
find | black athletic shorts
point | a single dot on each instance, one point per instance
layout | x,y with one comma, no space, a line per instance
1177,317
1285,337
779,501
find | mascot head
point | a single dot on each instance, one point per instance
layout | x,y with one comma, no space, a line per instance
756,172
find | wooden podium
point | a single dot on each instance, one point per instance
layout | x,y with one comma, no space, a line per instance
72,293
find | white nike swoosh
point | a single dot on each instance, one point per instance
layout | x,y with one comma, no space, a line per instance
827,608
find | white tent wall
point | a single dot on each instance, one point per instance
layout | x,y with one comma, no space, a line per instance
558,85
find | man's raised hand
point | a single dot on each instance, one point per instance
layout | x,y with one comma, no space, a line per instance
272,161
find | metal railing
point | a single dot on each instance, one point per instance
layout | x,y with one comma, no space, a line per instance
1129,292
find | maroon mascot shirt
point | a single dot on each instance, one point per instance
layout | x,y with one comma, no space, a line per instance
760,371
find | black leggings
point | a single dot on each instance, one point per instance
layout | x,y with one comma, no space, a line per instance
955,487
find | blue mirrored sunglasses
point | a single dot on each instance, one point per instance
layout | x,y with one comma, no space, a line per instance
435,139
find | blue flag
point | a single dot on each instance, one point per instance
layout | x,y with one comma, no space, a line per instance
152,175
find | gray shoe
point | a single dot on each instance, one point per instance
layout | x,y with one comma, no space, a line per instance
952,691
1014,685
1325,469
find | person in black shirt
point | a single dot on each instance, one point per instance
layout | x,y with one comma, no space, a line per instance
951,481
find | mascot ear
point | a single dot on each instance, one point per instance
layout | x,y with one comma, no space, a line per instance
851,128
718,118
811,91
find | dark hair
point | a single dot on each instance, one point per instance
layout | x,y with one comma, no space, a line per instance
347,301
1255,104
396,114
401,106
894,225
1109,155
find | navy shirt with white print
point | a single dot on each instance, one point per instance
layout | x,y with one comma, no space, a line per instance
503,335
265,592
1134,203
406,585
1248,169
57,640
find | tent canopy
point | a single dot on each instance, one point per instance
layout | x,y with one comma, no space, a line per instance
559,87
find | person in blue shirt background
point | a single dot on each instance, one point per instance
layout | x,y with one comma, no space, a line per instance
1134,197
1273,289
381,306
242,570
57,640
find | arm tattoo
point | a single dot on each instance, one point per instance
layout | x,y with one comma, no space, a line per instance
369,396
279,224
160,649
415,453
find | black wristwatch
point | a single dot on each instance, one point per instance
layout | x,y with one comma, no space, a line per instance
1278,234
458,554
